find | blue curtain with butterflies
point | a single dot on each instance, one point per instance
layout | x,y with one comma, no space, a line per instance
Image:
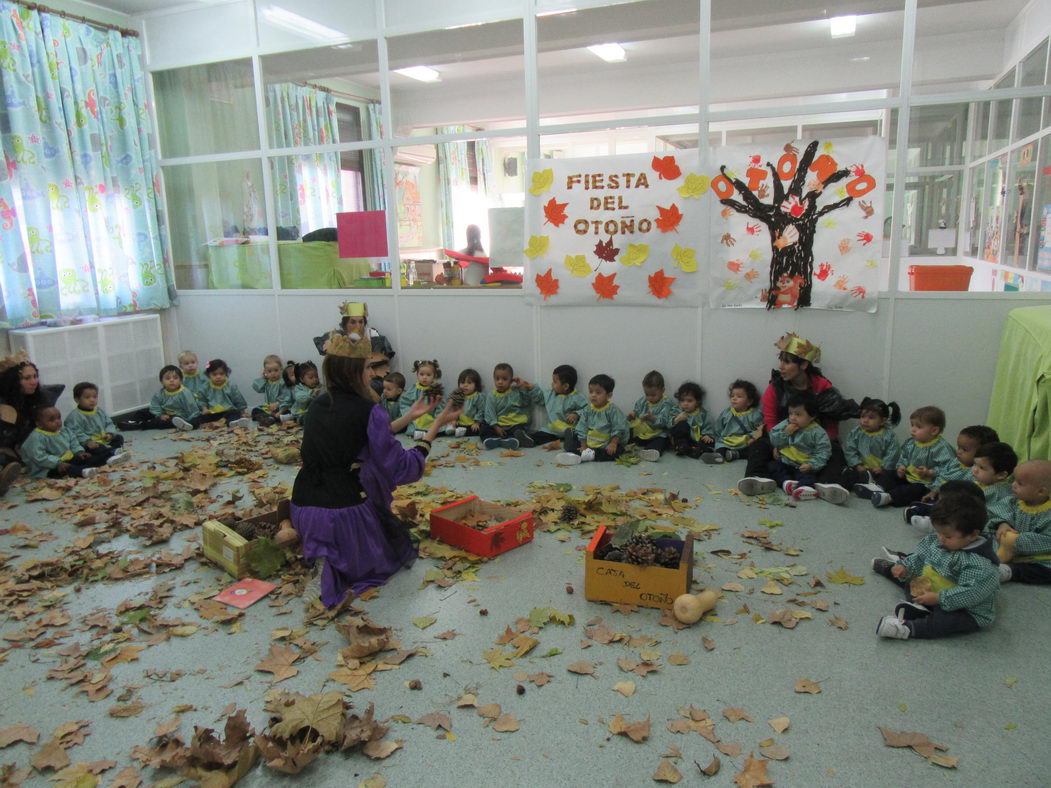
79,195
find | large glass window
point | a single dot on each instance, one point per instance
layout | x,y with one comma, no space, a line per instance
1030,73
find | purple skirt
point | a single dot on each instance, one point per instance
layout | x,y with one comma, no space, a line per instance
361,545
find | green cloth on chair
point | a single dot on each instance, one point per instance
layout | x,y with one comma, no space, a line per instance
1020,407
303,266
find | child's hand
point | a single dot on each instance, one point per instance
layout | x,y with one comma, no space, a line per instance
902,470
611,447
500,431
62,467
572,418
924,472
647,417
792,429
861,468
875,471
806,467
679,417
1004,528
928,598
475,427
898,570
777,454
91,445
109,436
930,497
707,439
522,384
165,417
83,455
631,416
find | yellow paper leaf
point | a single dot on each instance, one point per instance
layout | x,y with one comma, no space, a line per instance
685,258
542,181
635,254
694,185
843,577
577,265
538,245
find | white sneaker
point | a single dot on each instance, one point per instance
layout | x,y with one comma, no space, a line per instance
712,458
649,455
756,485
567,458
880,499
241,423
418,435
1005,572
588,455
866,490
286,417
181,424
788,486
833,493
449,430
922,524
120,456
89,473
892,555
892,627
459,432
804,493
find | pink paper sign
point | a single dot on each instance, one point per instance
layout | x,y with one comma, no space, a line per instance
362,233
246,592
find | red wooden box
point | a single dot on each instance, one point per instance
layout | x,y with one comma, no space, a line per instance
513,529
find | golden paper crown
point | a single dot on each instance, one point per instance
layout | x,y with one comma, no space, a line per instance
797,346
13,360
352,346
354,309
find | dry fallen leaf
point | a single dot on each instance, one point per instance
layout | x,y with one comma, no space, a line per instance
378,750
506,724
678,659
779,724
753,775
736,714
666,772
625,688
774,751
636,731
13,733
582,667
836,621
806,685
709,644
712,768
279,662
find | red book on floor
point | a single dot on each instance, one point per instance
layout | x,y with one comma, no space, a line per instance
245,592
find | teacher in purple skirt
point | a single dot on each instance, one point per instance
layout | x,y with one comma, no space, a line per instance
351,465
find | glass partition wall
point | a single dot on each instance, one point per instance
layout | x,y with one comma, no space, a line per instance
430,113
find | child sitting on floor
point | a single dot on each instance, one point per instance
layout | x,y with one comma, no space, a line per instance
738,427
173,407
470,420
427,373
307,387
1024,536
922,458
563,404
950,578
602,428
277,396
222,399
691,428
651,417
506,410
872,447
393,387
90,426
191,375
51,451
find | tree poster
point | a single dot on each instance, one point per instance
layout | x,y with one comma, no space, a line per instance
799,226
615,230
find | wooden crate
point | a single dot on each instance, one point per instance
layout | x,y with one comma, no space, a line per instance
513,529
229,550
648,586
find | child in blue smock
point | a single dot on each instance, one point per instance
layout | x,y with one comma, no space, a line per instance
277,396
308,386
53,452
872,447
472,418
90,426
427,372
507,410
601,432
738,427
563,404
651,417
222,399
691,428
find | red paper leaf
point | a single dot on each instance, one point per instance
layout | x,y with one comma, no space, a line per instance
547,284
666,168
605,286
669,218
604,250
555,212
660,284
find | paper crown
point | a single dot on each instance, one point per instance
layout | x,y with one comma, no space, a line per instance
354,309
797,346
14,360
352,346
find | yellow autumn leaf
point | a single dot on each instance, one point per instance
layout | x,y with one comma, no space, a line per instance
542,181
843,577
694,185
577,265
538,245
635,254
685,258
772,588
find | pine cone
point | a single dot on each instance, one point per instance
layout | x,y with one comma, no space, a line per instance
457,398
569,513
435,391
668,557
245,531
640,550
614,555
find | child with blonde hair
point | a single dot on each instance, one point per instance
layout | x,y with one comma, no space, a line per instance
1024,536
191,374
277,396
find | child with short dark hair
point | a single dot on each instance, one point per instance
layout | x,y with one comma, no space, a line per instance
308,386
950,578
53,452
393,386
691,428
563,404
801,449
222,399
91,427
601,431
507,410
1024,535
474,399
651,417
277,396
993,465
872,447
922,457
173,407
738,426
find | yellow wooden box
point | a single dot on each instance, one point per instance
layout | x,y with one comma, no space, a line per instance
647,586
229,550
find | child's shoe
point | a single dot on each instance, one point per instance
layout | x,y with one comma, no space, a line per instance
892,627
418,435
567,458
509,443
892,555
833,493
286,417
922,523
880,499
866,490
240,423
449,430
910,611
756,485
1005,572
712,458
695,452
523,439
266,421
491,443
459,432
181,424
729,455
649,455
789,486
804,493
882,566
587,455
89,473
120,456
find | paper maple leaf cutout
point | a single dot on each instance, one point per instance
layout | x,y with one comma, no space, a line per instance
605,286
555,212
666,168
669,218
547,284
660,284
604,250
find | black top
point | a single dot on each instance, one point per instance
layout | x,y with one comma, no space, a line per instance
334,434
12,435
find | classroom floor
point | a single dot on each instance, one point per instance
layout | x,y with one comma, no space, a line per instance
983,697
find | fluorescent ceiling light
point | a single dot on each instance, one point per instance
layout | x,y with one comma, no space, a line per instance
842,26
611,53
295,23
862,59
422,73
466,24
557,12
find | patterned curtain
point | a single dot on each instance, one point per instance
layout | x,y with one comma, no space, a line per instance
307,188
374,192
82,226
454,184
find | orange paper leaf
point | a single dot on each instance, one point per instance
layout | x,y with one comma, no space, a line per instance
660,284
606,286
666,168
669,218
547,284
555,212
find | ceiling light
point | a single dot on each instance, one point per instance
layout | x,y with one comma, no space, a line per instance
557,12
862,59
295,23
611,53
422,73
842,26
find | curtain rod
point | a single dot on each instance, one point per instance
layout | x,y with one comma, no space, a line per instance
323,89
66,15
